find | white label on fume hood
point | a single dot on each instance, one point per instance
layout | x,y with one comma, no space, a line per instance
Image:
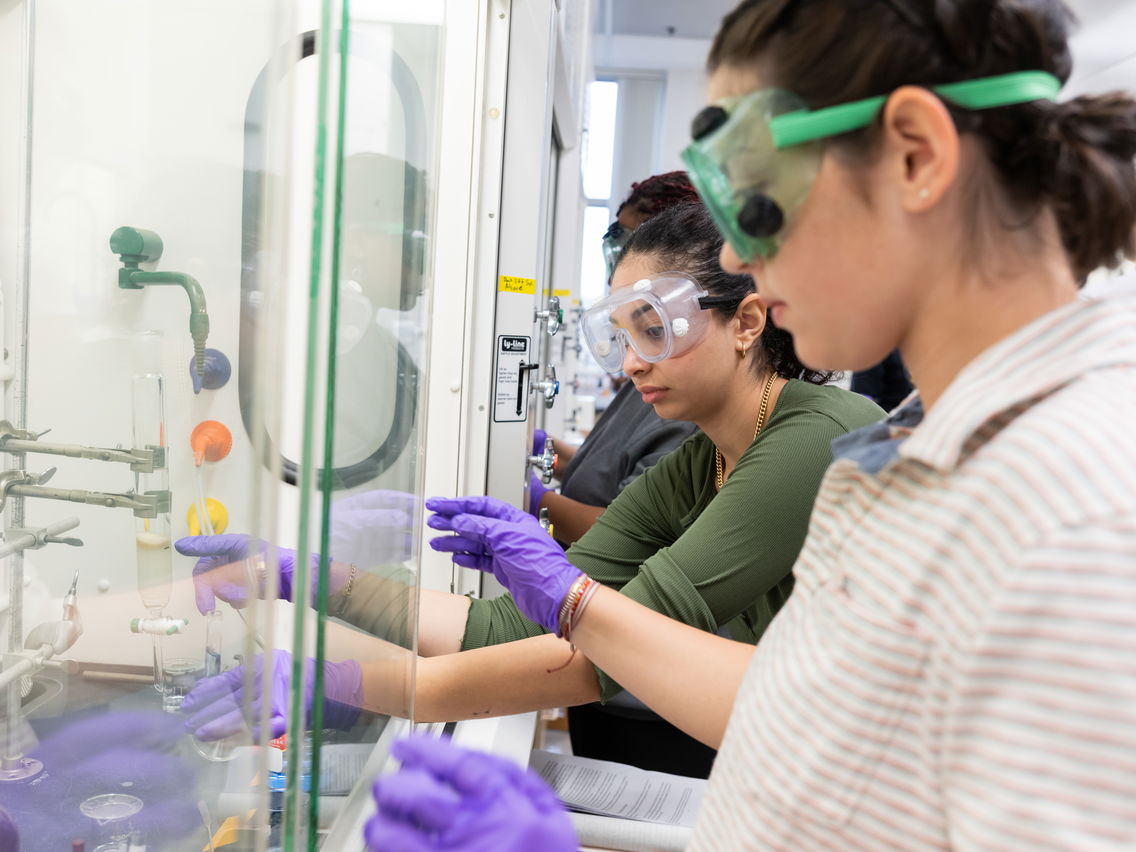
511,379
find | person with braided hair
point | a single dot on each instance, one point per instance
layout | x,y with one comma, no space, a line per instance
648,197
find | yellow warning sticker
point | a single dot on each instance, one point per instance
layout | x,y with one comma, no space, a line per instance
563,294
513,284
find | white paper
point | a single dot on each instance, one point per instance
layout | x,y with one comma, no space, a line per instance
341,764
628,835
615,789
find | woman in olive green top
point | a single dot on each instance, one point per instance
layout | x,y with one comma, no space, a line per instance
707,536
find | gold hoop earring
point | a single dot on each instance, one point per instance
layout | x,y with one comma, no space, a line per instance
742,352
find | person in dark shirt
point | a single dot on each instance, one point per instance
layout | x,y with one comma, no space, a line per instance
887,384
629,436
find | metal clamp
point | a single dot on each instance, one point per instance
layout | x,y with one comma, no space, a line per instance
33,538
19,441
148,505
552,316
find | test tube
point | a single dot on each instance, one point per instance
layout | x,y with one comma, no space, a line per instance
213,644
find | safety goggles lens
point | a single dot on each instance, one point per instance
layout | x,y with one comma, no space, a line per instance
752,188
658,318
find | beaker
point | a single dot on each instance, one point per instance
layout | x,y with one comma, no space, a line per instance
112,812
179,676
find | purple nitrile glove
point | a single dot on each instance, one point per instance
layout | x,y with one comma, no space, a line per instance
451,798
539,437
501,539
214,706
221,571
537,490
373,528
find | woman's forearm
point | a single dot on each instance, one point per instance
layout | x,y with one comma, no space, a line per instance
686,675
503,679
570,518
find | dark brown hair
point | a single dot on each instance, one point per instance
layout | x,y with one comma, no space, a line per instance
685,239
1075,157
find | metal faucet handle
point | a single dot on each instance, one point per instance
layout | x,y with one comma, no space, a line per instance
545,463
549,387
552,316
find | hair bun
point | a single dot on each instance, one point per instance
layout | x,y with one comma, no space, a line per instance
1092,182
1105,122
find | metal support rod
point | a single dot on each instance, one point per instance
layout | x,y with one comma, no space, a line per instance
31,662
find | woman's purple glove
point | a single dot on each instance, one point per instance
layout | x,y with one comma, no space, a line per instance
537,490
450,798
493,536
539,437
215,705
221,572
367,529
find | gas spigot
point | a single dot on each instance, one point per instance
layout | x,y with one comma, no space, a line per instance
548,387
552,316
137,245
545,463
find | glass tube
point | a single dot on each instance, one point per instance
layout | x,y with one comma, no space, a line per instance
152,535
152,538
213,644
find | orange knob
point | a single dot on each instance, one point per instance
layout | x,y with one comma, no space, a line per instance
211,441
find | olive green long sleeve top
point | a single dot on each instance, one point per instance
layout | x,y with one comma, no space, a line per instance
710,559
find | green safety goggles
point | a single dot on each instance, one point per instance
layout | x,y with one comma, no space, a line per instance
754,157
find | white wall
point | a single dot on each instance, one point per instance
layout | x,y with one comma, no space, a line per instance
685,97
663,88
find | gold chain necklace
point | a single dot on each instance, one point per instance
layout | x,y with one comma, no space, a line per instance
719,477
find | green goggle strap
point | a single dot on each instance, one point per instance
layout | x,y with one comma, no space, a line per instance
795,128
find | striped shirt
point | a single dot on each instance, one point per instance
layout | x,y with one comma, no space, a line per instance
956,667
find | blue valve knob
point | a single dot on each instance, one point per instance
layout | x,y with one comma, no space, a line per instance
218,371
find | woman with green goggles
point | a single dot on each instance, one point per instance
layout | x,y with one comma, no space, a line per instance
954,667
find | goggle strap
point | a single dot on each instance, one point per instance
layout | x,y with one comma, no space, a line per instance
707,302
795,128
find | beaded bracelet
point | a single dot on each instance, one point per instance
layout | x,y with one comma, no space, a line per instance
569,603
347,590
577,613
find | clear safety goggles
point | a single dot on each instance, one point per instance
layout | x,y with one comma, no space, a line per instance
658,317
754,158
614,240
